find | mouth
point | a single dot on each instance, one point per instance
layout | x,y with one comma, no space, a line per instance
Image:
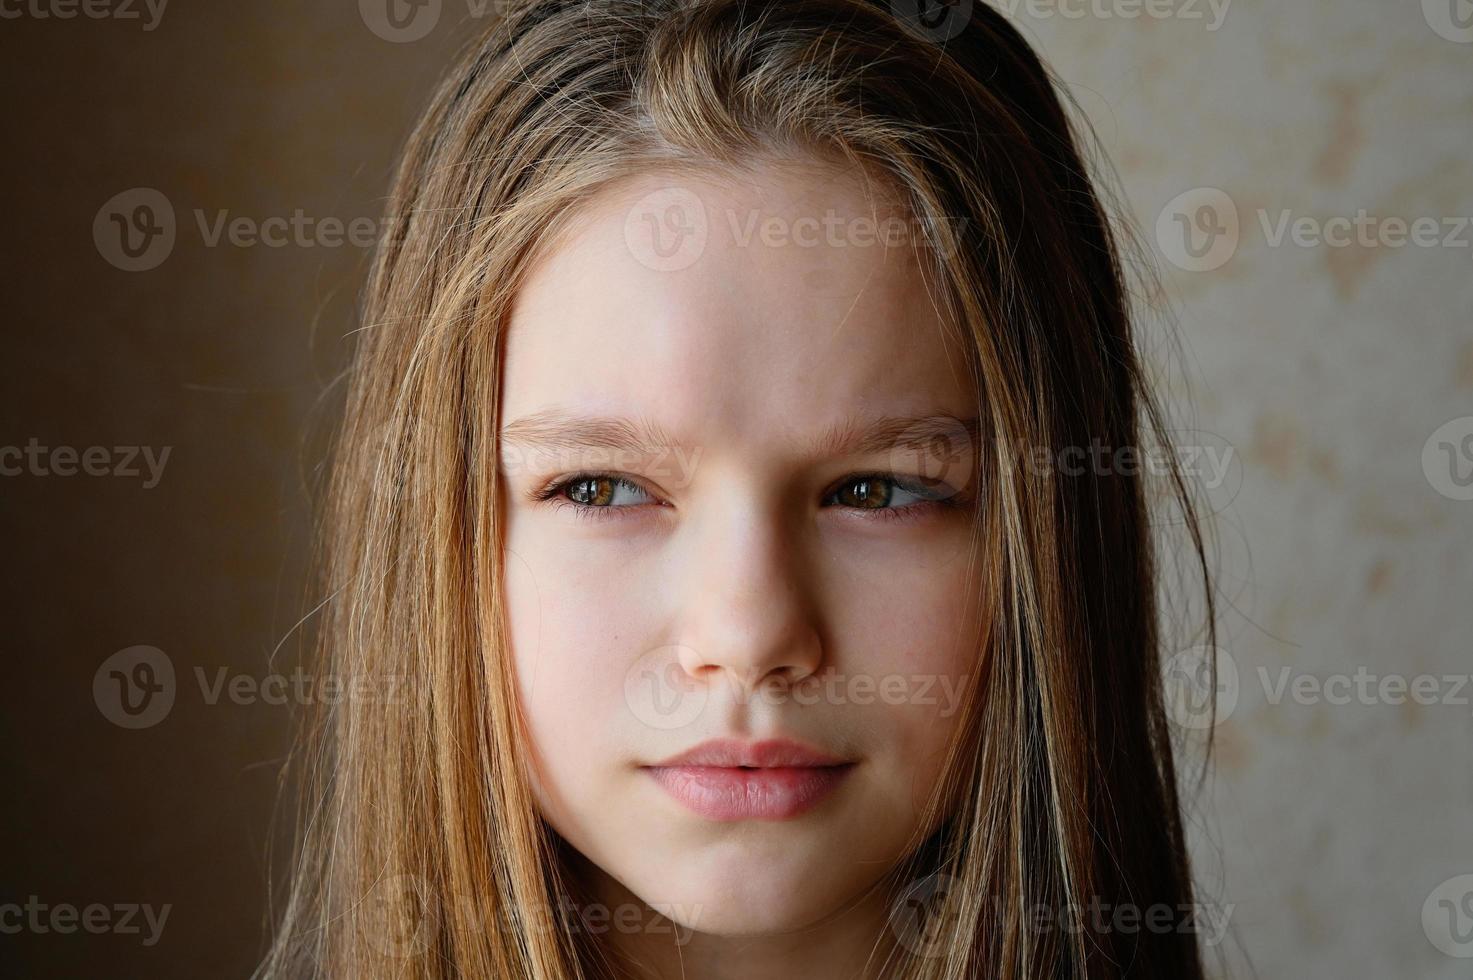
727,780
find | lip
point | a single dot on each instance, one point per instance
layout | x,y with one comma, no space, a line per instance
728,779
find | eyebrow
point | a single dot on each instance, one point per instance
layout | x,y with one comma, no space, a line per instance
854,436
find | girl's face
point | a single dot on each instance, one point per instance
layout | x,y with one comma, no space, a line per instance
737,495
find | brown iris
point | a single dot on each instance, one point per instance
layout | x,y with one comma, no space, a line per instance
870,493
595,491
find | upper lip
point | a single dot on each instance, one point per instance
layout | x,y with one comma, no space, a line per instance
766,754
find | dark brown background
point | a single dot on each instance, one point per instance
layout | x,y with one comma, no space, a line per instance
224,353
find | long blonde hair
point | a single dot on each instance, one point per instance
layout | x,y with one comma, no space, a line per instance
421,853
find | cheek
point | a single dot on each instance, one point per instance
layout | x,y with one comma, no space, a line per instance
899,609
909,642
571,627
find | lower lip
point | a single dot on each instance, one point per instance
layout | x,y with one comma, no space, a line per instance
727,793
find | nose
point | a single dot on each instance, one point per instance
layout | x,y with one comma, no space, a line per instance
749,612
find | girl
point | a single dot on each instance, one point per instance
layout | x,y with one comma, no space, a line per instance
717,487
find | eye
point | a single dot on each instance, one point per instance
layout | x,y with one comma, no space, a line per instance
874,492
597,491
881,495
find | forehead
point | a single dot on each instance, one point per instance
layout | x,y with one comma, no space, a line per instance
741,306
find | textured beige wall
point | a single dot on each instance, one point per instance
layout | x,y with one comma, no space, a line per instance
1327,828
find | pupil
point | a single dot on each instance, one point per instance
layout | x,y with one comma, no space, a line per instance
596,491
869,494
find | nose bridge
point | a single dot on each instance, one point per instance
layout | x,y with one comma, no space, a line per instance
749,607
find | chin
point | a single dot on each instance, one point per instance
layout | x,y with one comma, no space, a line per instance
748,888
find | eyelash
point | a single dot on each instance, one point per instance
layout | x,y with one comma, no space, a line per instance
552,493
